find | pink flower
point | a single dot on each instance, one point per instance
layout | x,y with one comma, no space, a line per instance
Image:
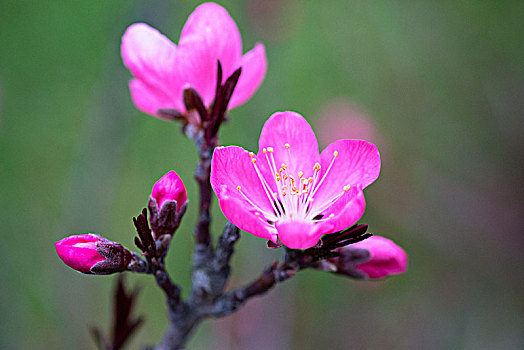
163,70
93,254
169,188
386,258
288,191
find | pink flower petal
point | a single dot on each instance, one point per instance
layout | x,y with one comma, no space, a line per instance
387,258
254,66
357,164
347,210
209,35
245,219
217,32
197,68
232,167
150,56
292,129
149,99
301,234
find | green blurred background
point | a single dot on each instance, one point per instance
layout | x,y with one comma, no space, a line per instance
439,86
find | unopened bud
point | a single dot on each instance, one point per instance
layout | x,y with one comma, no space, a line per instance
386,258
167,204
93,254
169,188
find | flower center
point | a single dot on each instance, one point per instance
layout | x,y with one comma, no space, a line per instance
295,193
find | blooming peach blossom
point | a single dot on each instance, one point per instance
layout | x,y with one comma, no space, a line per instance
288,192
162,70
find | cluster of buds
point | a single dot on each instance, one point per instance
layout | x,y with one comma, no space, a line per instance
93,254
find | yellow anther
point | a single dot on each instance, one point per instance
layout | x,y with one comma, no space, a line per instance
346,188
264,150
284,194
239,188
316,167
278,178
287,145
310,180
280,170
284,188
270,149
251,154
331,216
311,199
300,174
335,153
284,176
257,214
284,166
253,160
294,189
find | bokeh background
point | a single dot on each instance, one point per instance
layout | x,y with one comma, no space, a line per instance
438,86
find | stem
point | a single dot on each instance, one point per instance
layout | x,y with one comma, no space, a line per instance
202,175
171,290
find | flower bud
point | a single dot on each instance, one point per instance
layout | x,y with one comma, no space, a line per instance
167,204
372,258
386,258
169,188
92,254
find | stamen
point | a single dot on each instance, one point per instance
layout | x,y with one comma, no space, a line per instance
287,145
239,188
333,200
267,190
331,216
317,186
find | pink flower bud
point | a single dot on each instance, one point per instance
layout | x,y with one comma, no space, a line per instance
386,258
93,254
167,204
169,188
